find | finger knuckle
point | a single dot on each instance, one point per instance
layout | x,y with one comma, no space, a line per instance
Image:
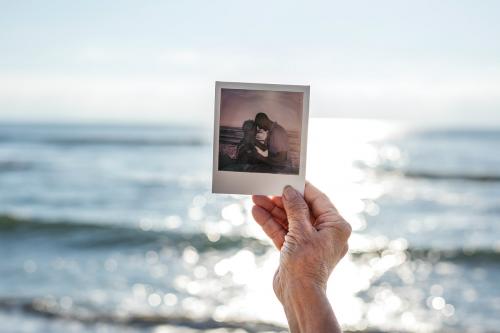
323,200
267,225
255,213
276,211
322,197
344,228
345,250
329,217
291,244
274,233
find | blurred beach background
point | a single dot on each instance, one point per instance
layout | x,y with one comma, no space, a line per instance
107,223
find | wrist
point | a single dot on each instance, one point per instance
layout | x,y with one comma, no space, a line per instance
307,308
301,290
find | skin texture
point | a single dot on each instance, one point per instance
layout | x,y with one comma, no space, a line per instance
312,238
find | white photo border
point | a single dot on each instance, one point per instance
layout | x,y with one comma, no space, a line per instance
232,182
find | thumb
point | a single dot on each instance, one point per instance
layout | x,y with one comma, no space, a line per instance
296,210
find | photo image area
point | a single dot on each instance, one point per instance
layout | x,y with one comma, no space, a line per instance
260,131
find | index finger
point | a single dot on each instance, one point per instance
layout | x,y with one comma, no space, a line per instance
270,226
269,205
318,202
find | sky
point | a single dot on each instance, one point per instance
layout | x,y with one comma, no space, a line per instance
283,107
157,61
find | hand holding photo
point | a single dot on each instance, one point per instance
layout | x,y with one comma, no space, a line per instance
260,137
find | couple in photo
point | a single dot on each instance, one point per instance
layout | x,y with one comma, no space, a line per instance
263,148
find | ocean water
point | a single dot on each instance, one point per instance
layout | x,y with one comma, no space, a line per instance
114,229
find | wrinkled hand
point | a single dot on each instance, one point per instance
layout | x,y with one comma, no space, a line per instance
310,233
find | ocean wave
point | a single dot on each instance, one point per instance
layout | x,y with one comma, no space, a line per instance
480,134
434,175
88,235
9,166
452,176
435,254
110,141
48,310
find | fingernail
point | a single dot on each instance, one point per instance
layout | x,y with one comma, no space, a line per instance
289,193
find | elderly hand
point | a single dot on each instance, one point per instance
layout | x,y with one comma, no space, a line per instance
312,238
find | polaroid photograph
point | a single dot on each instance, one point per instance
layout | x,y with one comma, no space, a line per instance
260,138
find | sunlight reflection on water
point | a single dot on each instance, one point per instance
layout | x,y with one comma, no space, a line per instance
333,151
